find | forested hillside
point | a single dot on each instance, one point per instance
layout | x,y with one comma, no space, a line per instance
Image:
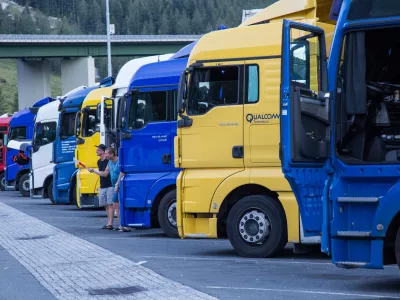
129,17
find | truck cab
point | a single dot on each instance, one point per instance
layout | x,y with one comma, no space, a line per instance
87,138
120,88
44,135
147,120
4,122
20,132
231,183
340,135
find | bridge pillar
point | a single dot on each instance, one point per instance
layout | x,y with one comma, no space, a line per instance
33,81
76,72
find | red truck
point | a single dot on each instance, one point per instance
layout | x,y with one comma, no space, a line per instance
4,120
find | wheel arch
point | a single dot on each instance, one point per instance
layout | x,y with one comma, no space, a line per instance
46,183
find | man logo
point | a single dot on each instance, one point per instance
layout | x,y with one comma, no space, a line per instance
261,117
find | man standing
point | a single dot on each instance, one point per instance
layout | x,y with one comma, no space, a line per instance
112,170
106,189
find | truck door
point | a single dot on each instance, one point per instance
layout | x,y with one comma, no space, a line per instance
146,139
211,135
305,120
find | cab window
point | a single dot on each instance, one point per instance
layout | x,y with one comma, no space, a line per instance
212,87
89,123
17,133
147,107
67,124
45,133
252,84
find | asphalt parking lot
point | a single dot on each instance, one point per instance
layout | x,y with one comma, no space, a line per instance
207,266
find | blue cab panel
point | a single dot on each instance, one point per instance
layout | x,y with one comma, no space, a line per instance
64,147
21,128
147,142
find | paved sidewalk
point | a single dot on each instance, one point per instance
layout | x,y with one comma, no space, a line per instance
72,268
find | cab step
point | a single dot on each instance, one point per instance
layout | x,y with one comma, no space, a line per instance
357,199
351,264
136,225
362,234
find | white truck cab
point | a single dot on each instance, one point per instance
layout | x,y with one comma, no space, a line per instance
41,175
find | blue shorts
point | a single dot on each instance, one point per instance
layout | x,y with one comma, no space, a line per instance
115,197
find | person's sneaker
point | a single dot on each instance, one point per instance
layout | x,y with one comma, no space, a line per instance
123,229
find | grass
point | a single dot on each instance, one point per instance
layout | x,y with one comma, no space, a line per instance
9,87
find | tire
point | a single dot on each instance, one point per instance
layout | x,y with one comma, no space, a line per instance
2,182
168,224
24,185
50,192
249,235
397,247
73,194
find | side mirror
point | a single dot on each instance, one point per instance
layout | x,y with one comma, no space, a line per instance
182,95
98,111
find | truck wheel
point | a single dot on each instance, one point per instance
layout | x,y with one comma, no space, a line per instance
50,192
167,214
2,182
397,247
257,227
24,185
73,194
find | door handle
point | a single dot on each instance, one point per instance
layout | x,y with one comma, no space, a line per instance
125,135
166,159
237,152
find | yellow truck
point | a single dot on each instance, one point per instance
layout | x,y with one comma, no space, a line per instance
228,137
87,138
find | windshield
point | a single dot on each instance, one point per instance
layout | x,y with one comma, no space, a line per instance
147,108
45,133
67,124
89,122
211,87
17,133
369,9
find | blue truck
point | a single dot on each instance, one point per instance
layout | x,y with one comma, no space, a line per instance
64,172
21,129
340,138
147,121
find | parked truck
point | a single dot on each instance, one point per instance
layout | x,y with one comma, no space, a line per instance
4,121
20,130
228,135
44,135
88,183
340,135
64,172
147,118
87,138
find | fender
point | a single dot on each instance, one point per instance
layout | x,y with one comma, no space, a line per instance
159,185
73,177
269,177
388,208
230,183
22,172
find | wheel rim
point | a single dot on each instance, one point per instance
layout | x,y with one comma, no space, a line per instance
254,227
26,185
171,214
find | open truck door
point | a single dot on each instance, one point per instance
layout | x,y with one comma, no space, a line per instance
305,123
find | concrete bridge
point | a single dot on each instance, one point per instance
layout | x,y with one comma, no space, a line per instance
77,53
